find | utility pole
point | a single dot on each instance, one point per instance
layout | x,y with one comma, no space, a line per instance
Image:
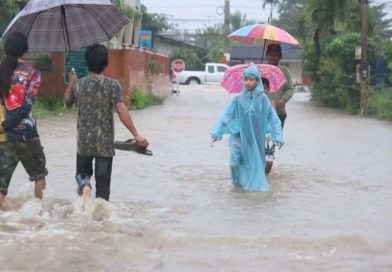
364,56
272,8
227,24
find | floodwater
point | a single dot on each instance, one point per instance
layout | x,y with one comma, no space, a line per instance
329,208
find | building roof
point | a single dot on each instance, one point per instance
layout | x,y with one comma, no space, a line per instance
175,42
253,52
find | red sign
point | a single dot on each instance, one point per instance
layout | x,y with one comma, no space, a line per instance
178,65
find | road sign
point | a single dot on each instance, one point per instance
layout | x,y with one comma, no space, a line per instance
178,65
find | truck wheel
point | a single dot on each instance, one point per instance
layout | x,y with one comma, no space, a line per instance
193,80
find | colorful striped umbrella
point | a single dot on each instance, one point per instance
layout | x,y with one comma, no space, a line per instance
264,33
232,79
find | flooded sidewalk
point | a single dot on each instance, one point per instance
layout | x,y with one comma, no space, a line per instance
328,209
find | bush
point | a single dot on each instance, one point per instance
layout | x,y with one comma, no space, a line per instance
48,106
380,104
153,68
191,58
335,80
140,100
43,63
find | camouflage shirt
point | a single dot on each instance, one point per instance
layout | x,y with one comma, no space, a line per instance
286,91
96,97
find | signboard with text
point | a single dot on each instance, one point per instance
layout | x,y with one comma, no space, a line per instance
145,38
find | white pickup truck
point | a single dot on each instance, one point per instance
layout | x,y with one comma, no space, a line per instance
213,73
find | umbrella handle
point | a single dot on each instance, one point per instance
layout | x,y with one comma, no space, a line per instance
262,55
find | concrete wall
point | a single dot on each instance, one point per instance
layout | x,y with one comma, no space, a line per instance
127,66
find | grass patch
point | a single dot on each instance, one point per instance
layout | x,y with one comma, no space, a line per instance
380,104
49,106
140,100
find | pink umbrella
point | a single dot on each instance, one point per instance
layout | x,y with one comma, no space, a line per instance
232,79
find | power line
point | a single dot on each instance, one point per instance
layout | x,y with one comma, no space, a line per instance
197,7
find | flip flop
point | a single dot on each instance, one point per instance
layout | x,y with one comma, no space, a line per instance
130,145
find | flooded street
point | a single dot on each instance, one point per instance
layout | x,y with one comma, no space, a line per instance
329,207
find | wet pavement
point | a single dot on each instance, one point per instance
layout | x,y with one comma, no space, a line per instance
328,209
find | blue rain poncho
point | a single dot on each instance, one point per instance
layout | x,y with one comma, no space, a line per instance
246,119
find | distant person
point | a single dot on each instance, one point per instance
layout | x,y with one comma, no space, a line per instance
96,96
245,119
284,94
19,139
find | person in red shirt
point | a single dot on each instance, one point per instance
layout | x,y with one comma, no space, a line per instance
19,139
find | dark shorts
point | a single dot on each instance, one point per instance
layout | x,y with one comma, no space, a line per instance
282,118
30,153
102,172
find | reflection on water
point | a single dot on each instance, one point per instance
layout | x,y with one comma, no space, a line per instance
328,208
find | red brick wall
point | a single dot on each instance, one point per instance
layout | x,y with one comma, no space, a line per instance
127,66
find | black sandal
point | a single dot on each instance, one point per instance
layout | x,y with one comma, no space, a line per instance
130,145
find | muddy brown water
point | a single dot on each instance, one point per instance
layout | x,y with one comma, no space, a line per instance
329,208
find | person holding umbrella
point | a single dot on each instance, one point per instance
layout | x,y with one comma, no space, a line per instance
246,119
96,97
275,38
19,140
284,94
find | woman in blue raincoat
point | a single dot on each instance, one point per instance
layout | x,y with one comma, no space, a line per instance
246,119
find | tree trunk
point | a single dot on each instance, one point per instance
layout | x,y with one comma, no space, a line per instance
317,47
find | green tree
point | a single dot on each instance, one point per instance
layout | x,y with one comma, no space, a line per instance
322,17
212,39
216,52
238,20
291,18
272,4
192,60
127,11
379,25
8,9
388,54
209,36
157,22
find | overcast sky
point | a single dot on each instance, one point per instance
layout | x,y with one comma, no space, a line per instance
193,14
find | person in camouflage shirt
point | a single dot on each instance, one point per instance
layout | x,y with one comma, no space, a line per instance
19,139
96,96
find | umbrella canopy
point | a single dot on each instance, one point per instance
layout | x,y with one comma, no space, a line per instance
232,79
63,25
264,33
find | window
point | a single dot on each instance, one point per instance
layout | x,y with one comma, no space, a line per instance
221,69
211,69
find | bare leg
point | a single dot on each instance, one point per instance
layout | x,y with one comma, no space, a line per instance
86,196
268,167
40,185
2,197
